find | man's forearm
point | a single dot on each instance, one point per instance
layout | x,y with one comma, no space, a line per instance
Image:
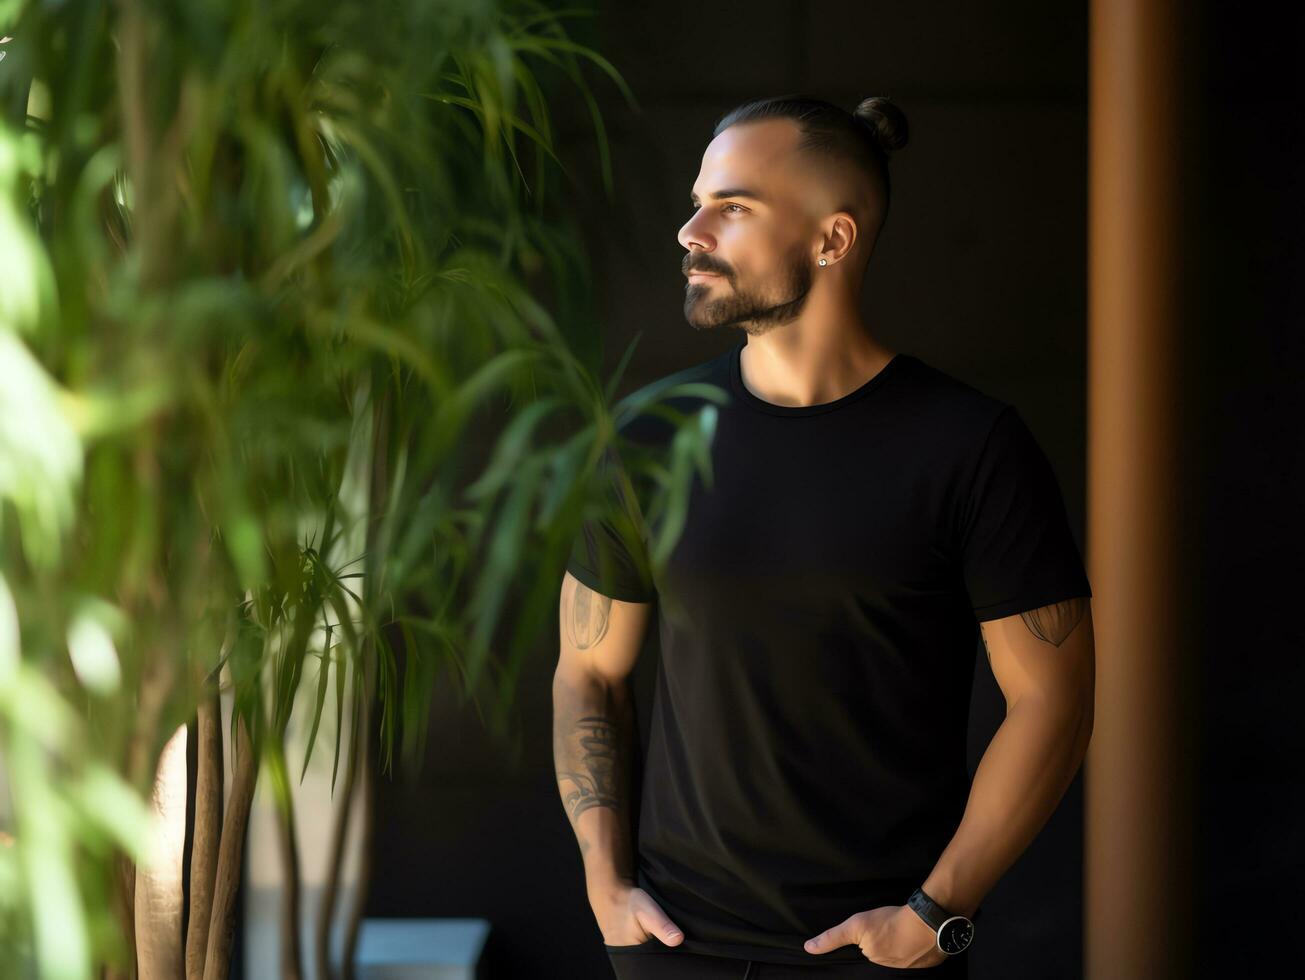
1023,774
593,747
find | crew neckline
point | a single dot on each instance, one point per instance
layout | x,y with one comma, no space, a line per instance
760,404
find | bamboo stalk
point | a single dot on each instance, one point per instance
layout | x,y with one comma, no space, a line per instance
291,954
158,899
359,902
207,830
377,499
335,861
222,924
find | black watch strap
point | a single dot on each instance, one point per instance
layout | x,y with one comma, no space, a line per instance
953,933
926,908
933,913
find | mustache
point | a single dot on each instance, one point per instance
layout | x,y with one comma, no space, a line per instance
710,270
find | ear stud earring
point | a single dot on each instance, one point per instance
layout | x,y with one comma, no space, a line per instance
823,262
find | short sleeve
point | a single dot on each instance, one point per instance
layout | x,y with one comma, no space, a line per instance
609,554
1017,550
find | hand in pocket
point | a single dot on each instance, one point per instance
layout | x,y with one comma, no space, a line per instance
628,916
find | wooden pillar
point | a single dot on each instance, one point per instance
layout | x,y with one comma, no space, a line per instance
1139,818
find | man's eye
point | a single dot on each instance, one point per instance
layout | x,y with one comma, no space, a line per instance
697,206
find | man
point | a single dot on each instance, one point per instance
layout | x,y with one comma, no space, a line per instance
805,798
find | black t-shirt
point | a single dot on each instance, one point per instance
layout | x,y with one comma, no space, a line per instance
818,622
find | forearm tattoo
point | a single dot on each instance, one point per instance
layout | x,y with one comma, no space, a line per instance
597,776
1055,622
587,617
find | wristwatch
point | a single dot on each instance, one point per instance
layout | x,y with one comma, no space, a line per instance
954,932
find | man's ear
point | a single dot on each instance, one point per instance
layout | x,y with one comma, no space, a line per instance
840,236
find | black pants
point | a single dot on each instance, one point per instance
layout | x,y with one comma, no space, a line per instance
654,961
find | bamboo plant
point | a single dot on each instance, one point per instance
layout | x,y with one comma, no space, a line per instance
274,277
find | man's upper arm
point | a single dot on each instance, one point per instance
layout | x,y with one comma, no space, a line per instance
600,636
1046,653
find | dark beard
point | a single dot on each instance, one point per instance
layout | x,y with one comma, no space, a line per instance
749,312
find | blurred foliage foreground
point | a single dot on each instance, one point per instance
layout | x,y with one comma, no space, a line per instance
265,294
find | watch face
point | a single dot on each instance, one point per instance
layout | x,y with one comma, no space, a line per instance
955,934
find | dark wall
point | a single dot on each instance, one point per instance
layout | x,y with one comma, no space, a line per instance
981,271
1247,536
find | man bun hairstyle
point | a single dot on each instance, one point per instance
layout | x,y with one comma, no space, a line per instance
866,137
886,122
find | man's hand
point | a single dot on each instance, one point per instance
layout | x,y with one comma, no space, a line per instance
891,935
627,916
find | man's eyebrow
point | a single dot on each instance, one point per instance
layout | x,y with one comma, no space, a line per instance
732,192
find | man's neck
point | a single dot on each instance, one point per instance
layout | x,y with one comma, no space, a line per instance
786,368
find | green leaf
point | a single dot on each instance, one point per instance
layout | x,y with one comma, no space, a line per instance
323,679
